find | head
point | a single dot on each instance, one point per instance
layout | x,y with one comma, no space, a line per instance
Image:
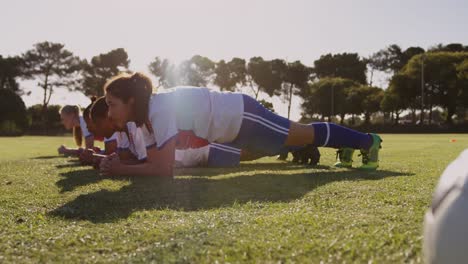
102,124
127,96
69,115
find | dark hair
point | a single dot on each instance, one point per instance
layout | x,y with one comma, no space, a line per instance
137,86
87,110
77,134
99,109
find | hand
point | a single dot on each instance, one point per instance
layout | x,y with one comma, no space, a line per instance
86,157
97,149
96,162
110,165
61,149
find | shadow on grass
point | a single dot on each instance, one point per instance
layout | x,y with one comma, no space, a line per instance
72,179
71,164
277,184
48,157
246,167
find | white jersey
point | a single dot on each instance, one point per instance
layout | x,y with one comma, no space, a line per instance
211,115
84,128
112,138
138,140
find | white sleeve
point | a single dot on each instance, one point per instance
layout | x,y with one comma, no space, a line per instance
164,126
137,141
149,137
122,141
84,128
112,138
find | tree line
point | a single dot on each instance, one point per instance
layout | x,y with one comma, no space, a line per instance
334,87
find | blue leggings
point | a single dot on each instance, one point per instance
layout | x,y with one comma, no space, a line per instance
264,132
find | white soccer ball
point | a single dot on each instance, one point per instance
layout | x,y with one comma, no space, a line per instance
446,222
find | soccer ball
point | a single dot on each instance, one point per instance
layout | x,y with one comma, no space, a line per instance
446,222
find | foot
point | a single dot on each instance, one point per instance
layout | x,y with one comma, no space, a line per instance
370,157
344,158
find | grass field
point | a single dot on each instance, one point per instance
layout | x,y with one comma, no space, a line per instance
53,210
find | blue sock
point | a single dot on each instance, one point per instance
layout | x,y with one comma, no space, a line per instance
335,136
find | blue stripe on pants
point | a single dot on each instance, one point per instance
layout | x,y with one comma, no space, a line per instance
223,155
262,131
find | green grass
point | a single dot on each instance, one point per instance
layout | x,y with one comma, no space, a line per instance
53,210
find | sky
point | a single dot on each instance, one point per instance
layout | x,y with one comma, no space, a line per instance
291,30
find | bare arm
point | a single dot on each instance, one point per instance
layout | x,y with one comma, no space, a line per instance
89,142
125,157
69,151
110,147
159,163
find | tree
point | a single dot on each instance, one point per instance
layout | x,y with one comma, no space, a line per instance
387,60
371,103
328,97
441,80
229,75
410,53
196,72
223,77
54,66
11,68
392,59
238,69
407,89
392,103
344,65
452,47
266,76
101,68
462,75
295,80
365,100
164,71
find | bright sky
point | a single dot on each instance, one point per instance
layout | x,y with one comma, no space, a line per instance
292,30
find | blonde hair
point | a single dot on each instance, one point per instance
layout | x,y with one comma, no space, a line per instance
77,134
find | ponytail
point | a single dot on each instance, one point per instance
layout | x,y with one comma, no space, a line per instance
86,112
78,136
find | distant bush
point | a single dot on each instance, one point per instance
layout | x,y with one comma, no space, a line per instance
13,117
47,122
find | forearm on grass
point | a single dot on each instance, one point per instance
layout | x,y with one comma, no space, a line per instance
72,152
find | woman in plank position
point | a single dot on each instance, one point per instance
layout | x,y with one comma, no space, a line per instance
218,117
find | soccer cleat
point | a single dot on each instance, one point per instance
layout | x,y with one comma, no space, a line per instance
344,158
370,157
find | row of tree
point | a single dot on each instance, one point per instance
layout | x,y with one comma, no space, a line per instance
336,84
